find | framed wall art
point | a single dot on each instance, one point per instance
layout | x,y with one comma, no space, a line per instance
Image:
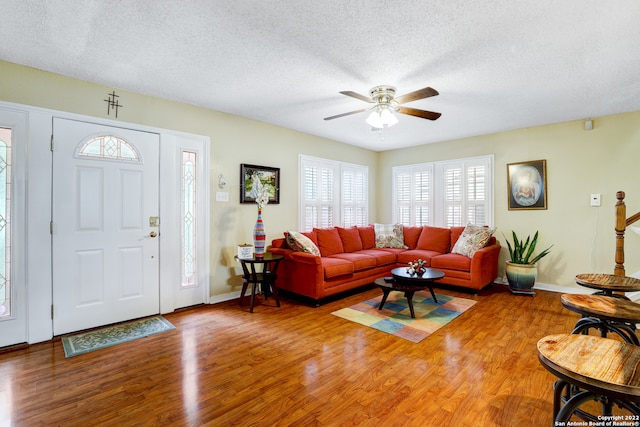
527,184
255,179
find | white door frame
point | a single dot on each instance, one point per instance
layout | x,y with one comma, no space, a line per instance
38,214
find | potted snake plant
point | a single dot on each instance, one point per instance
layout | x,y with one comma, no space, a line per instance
522,269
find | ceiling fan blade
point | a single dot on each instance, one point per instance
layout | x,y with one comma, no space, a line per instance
429,115
345,114
418,94
357,96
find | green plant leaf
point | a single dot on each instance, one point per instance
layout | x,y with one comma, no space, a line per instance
522,250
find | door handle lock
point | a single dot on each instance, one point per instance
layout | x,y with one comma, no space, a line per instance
153,234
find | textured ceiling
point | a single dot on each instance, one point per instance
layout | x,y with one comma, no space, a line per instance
498,64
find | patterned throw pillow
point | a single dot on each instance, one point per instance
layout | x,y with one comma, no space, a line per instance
389,236
301,243
473,237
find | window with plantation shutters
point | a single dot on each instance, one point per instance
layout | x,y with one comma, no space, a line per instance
354,195
413,194
445,194
332,194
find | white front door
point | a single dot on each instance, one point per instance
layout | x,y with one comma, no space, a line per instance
105,225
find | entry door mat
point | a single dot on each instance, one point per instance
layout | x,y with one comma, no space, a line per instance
112,335
395,317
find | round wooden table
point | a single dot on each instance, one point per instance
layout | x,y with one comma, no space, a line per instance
599,369
409,284
607,284
604,313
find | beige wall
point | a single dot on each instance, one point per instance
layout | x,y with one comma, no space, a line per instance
234,140
579,163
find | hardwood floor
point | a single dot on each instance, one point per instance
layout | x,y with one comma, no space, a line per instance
298,366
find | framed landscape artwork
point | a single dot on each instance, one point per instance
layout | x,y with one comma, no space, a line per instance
254,179
527,184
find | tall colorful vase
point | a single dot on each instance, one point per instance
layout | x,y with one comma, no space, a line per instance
259,237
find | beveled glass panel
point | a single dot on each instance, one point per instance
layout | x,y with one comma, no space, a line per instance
109,147
189,219
5,222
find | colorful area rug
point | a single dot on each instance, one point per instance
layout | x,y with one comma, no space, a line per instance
395,317
112,335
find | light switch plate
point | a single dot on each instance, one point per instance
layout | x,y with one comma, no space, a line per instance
222,196
595,200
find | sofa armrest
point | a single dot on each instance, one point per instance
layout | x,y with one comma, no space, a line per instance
280,251
484,265
306,258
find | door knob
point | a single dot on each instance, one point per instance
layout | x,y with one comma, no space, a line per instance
153,234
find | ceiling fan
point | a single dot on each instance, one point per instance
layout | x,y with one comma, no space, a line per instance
385,104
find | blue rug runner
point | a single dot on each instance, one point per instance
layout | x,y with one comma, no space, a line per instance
112,335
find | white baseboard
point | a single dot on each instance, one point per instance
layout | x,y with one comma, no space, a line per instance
224,297
633,296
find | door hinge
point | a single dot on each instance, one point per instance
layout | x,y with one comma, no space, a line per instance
51,227
51,143
51,311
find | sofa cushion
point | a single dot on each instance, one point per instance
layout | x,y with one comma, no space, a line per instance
389,236
435,239
312,235
329,241
367,236
411,236
456,232
473,237
301,243
451,262
334,267
382,257
350,237
360,261
406,257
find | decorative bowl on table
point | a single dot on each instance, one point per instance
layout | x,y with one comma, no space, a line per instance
417,267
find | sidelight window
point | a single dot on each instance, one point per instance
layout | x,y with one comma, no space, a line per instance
5,222
188,218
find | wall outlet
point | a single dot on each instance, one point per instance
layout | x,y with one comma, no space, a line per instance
595,200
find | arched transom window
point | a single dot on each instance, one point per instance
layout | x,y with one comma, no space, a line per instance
109,147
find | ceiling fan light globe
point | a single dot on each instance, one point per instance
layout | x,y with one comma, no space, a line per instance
388,118
375,120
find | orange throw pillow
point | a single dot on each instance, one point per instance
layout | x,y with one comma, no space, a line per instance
329,241
350,237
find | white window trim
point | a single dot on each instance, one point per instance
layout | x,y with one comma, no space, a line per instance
436,199
338,204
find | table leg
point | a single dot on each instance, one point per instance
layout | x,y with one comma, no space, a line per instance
244,289
385,294
274,290
253,295
433,294
409,296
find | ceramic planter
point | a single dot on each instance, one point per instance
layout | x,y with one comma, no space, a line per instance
521,277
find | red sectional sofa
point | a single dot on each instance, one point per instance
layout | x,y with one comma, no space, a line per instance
350,259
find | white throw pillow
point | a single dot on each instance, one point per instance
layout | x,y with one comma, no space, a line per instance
473,237
389,236
301,243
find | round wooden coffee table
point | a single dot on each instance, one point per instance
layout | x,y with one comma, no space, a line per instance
409,284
